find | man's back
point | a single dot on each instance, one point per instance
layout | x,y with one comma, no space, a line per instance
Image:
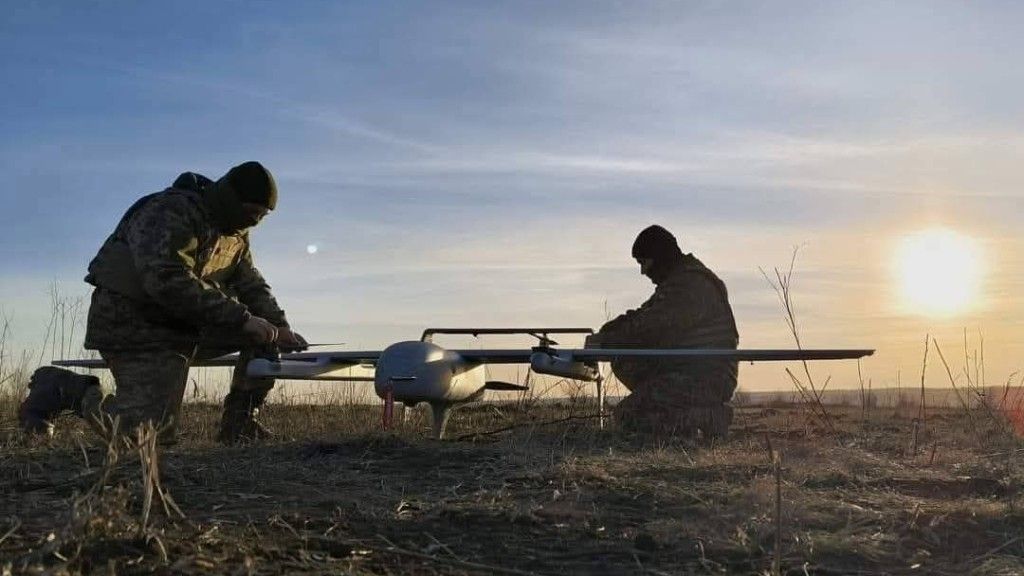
168,270
689,309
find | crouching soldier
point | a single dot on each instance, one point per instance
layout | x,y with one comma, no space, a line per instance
689,309
174,283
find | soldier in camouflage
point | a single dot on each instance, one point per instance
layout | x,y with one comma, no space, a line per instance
689,309
175,283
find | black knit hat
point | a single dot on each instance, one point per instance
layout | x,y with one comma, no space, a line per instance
655,242
254,184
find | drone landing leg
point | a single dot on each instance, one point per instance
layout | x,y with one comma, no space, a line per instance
600,401
441,412
388,416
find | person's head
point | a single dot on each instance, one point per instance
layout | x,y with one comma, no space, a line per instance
243,196
657,252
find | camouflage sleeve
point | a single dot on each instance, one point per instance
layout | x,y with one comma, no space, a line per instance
164,243
254,291
670,311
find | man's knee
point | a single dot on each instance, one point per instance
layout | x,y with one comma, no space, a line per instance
676,407
149,387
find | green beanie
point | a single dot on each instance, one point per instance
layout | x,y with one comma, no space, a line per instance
253,184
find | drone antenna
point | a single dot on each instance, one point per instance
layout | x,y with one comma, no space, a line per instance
543,340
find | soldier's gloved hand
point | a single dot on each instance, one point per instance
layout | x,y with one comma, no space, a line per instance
290,341
259,330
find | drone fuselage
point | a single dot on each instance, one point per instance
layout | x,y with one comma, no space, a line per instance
416,371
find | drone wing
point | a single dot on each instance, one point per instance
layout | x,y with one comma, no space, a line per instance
510,356
581,364
751,355
91,364
516,356
343,366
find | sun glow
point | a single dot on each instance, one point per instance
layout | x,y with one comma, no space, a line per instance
940,272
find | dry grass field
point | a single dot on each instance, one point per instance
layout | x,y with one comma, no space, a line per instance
516,491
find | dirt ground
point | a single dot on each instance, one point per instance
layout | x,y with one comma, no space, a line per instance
551,494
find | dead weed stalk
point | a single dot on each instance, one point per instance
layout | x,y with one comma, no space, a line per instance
810,393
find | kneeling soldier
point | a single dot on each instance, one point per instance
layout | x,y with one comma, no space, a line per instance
689,309
174,283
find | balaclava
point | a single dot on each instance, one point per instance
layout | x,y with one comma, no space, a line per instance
659,245
248,182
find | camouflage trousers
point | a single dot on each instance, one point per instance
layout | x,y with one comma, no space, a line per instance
679,405
150,386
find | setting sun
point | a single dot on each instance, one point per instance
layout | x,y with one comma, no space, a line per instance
940,272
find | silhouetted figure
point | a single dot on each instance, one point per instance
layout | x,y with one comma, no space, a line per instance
689,309
175,282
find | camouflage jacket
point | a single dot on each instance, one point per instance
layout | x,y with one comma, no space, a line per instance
168,276
689,309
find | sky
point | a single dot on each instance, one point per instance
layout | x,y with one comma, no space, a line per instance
489,164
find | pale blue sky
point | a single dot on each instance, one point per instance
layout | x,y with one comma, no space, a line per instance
470,163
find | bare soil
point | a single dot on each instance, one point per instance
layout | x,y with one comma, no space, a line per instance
551,494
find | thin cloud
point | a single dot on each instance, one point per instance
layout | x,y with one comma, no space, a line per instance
228,91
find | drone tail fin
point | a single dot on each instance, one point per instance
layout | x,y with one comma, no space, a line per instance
505,386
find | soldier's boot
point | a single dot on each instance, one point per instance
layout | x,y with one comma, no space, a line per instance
53,390
239,422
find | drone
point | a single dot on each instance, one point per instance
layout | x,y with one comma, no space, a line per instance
420,371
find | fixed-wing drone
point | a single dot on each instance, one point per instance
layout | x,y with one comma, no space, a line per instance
417,371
